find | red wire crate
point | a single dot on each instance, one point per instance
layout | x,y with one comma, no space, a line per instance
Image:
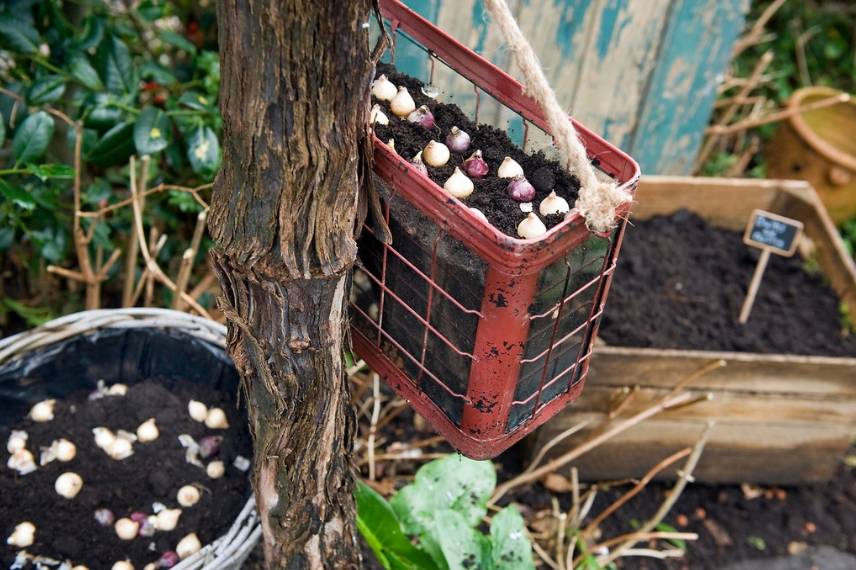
487,336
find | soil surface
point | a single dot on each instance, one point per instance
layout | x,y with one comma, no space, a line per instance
67,530
696,276
489,195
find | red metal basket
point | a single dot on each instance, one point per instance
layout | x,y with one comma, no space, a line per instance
487,336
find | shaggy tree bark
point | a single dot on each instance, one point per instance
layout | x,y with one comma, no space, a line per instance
294,99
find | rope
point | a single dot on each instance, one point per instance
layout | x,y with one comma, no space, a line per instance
598,198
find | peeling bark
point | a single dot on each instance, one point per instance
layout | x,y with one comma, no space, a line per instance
294,99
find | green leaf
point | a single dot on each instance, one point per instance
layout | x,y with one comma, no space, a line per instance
20,198
45,171
115,147
7,237
51,242
195,100
84,73
203,152
100,114
453,482
677,542
93,33
2,130
32,137
453,543
178,41
18,35
46,89
379,526
157,73
34,316
113,61
511,548
151,131
151,10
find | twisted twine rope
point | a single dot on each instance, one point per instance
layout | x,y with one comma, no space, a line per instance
598,198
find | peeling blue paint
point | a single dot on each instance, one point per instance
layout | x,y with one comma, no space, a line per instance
571,22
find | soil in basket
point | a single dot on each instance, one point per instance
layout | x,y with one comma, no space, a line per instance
680,284
489,195
67,529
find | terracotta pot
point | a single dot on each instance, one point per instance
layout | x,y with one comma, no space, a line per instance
820,147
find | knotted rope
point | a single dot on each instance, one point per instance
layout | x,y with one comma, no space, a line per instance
598,198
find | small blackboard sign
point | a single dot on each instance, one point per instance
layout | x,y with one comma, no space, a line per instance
773,232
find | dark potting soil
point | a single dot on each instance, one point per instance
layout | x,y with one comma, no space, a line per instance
680,283
67,530
489,195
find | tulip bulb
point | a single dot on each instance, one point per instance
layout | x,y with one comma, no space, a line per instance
22,461
216,419
23,536
509,168
378,116
475,166
168,559
167,519
531,227
104,517
104,438
80,567
68,485
148,431
17,441
188,496
65,450
122,565
383,89
402,104
479,214
126,529
209,446
43,411
197,410
391,144
120,449
215,469
417,162
435,154
188,546
520,190
422,117
458,185
117,390
458,140
553,204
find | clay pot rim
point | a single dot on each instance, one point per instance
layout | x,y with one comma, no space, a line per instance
825,149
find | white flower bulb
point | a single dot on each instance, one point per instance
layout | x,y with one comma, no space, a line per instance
188,546
378,116
383,88
117,390
23,536
68,485
458,185
435,154
509,168
167,519
216,419
120,449
43,411
402,104
126,529
197,410
150,566
148,431
531,227
123,565
22,461
64,450
80,567
553,204
188,496
479,214
391,143
104,438
215,469
17,441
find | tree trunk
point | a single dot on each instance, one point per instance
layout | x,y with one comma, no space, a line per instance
294,98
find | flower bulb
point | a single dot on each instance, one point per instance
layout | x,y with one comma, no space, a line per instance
458,185
197,410
435,154
509,168
553,204
402,104
68,485
383,88
43,411
216,419
148,431
531,227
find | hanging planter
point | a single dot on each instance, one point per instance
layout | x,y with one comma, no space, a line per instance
486,333
94,502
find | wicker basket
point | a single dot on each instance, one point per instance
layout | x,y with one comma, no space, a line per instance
227,552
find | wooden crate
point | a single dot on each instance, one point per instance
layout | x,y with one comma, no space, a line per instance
780,418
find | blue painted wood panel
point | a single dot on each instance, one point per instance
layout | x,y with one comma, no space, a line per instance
642,73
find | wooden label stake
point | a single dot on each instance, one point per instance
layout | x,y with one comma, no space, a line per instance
771,233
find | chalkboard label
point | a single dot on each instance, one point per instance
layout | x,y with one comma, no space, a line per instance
773,232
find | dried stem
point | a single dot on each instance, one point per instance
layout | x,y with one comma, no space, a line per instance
373,426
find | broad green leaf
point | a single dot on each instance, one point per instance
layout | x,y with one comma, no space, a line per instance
177,41
113,61
93,33
46,89
34,316
380,527
511,549
20,198
454,544
51,242
115,147
663,527
151,10
195,100
100,114
45,171
32,137
18,35
157,73
84,73
151,131
203,152
2,130
453,482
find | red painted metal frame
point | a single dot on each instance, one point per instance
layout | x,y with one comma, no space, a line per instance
514,267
